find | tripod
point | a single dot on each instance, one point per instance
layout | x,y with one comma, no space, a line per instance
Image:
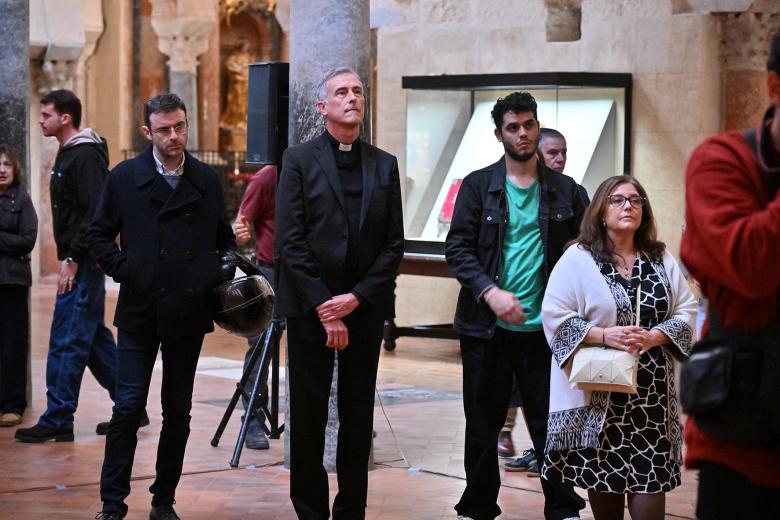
264,351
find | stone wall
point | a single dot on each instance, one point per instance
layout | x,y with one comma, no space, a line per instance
674,53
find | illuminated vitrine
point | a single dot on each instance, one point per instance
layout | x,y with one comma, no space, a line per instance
449,133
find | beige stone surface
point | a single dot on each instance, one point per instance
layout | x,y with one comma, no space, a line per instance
110,91
746,97
604,9
668,208
609,45
669,47
425,300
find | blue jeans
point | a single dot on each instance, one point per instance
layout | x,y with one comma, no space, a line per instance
79,338
136,356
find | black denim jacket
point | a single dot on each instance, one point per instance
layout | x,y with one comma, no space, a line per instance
475,242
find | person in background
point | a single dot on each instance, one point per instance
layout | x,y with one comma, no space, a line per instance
618,445
502,256
79,337
256,216
554,152
339,242
167,208
731,245
18,231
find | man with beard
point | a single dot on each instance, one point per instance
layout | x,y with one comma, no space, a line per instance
510,224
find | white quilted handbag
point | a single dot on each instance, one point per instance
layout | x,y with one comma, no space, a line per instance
601,368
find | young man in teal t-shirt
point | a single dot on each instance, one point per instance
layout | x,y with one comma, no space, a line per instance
511,222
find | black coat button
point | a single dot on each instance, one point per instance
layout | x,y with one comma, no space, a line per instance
190,293
163,291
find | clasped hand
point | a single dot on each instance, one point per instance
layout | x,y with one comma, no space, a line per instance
631,339
331,313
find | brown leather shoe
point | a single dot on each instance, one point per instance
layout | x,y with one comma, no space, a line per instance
506,447
10,419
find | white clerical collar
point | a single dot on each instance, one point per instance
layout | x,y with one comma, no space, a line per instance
345,147
161,168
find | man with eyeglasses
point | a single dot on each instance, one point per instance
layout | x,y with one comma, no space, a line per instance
168,209
511,222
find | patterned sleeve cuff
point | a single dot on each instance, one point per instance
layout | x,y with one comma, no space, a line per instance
566,339
680,334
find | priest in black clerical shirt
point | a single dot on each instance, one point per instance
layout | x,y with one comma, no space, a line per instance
339,241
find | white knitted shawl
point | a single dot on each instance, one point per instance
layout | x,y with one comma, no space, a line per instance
577,298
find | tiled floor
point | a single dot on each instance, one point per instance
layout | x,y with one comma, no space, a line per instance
418,451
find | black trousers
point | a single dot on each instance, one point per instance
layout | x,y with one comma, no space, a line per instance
136,355
14,332
488,367
725,494
310,373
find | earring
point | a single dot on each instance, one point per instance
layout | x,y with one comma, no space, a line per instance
603,223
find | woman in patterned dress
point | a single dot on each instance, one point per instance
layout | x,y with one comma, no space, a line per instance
618,444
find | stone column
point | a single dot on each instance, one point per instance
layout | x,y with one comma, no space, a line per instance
183,28
15,95
324,34
15,77
745,40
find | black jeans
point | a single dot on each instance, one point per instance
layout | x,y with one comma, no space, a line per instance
136,355
14,336
725,494
488,367
310,373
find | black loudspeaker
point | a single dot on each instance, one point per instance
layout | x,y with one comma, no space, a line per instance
266,129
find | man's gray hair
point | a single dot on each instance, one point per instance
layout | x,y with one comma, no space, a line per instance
322,85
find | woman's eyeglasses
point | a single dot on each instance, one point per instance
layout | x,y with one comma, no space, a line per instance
618,201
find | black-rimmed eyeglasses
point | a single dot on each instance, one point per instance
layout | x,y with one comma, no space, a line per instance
618,201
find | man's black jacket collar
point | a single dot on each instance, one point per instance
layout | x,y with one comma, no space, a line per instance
191,187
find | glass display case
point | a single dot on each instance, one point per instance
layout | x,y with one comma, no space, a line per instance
449,133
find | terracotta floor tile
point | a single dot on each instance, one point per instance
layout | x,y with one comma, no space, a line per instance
420,423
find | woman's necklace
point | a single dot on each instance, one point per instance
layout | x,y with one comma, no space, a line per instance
624,265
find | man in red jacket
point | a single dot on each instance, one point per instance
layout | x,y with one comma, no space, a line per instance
257,215
731,245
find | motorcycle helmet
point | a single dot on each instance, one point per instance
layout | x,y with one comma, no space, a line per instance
245,305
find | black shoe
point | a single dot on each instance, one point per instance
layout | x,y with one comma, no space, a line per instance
255,437
163,512
102,428
533,470
522,463
40,433
108,515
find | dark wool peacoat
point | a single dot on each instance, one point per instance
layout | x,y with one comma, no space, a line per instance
167,261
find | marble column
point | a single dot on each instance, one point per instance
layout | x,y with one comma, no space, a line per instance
15,95
183,28
324,34
15,77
